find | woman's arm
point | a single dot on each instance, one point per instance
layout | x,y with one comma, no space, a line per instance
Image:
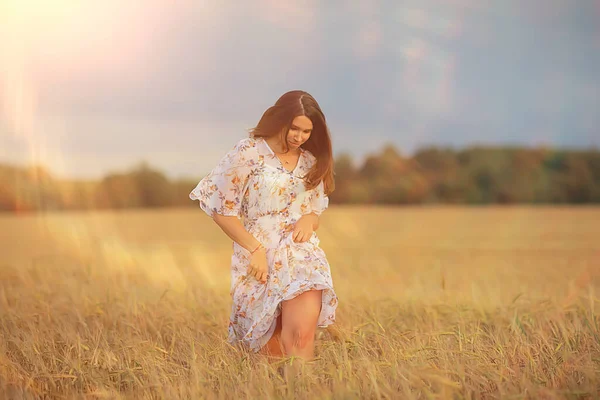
305,226
232,226
314,219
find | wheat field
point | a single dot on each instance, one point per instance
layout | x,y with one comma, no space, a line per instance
434,303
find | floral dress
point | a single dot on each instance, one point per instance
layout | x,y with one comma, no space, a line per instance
250,182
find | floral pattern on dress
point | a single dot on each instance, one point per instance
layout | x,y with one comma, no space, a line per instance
250,182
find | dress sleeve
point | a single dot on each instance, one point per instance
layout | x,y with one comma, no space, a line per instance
319,201
221,191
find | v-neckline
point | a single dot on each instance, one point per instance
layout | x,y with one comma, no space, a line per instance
280,163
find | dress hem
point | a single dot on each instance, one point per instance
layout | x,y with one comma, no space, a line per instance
326,317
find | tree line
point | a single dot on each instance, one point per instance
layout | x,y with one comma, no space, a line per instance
432,175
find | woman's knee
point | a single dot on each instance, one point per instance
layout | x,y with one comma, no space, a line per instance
297,336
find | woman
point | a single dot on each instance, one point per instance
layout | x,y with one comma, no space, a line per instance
278,181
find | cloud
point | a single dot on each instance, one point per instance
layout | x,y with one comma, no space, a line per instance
368,40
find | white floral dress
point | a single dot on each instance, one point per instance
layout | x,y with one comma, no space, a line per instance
250,182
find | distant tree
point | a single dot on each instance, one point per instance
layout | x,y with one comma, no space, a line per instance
118,191
153,186
141,187
7,199
475,175
181,189
577,180
440,167
393,179
345,179
593,161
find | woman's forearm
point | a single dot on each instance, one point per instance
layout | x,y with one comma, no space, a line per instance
314,219
232,226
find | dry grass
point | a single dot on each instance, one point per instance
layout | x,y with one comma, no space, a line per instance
434,303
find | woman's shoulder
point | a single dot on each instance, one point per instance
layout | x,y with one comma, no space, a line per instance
245,144
248,151
310,157
247,147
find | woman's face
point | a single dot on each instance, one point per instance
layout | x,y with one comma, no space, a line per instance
299,132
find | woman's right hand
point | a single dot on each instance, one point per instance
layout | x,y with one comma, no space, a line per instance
258,266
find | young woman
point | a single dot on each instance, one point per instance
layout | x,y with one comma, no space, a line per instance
278,181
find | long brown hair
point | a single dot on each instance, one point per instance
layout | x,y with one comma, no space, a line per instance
277,120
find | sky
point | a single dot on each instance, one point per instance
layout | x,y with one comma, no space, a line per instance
88,87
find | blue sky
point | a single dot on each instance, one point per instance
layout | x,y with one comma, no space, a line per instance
91,87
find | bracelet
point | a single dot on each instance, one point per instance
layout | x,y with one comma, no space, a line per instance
257,247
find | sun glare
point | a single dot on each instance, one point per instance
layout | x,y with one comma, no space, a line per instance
44,43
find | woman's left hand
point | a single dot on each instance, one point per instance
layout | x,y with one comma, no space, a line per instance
303,229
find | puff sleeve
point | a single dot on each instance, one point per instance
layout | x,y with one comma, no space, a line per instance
319,201
222,190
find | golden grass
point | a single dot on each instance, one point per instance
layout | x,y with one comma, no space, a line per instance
434,303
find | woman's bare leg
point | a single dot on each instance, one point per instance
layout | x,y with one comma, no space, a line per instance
274,347
300,316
